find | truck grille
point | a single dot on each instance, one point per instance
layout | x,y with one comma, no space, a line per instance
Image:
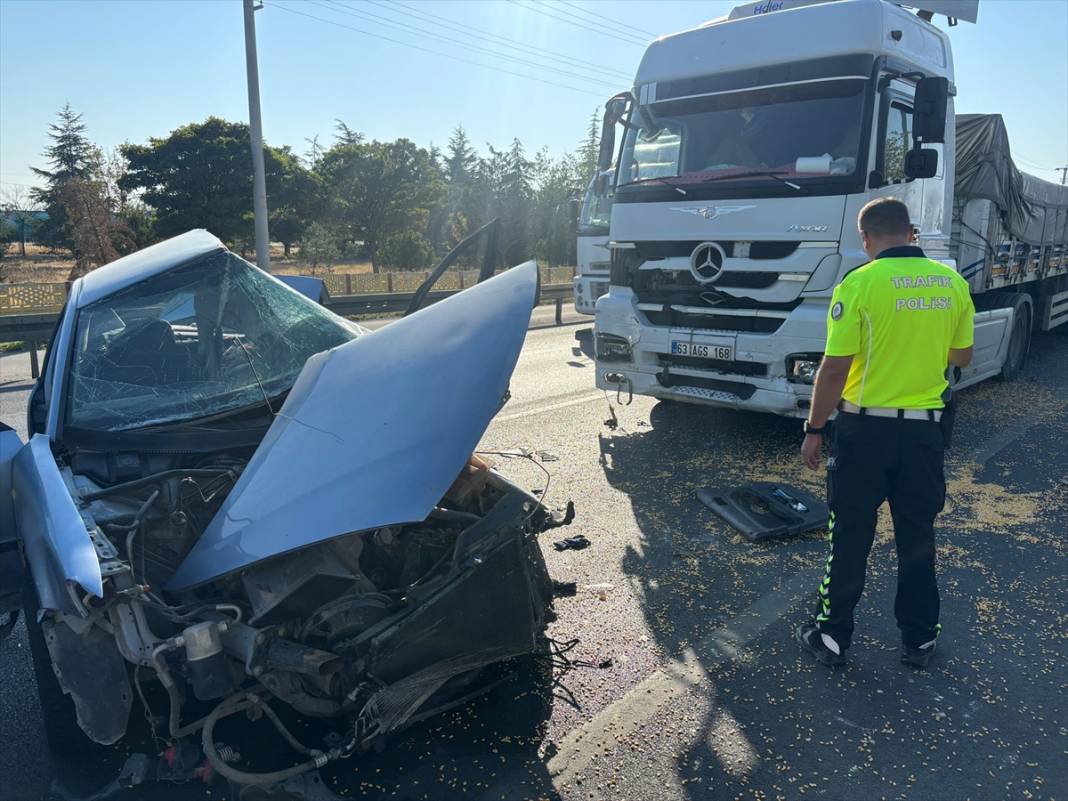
719,365
708,385
714,322
651,251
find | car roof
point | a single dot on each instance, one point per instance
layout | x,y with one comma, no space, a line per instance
143,264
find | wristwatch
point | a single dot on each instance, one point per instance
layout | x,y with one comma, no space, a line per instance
810,429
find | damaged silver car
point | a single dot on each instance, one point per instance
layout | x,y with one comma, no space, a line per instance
233,491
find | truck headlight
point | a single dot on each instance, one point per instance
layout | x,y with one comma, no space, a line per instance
612,348
801,368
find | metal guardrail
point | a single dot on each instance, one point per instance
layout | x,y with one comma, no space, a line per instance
38,298
37,328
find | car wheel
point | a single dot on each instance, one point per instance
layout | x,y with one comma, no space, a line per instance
64,736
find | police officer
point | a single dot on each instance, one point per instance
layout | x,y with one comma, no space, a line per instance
894,326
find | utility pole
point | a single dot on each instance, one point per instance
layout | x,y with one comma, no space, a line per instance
259,179
1063,171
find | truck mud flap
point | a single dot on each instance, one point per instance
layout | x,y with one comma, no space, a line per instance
763,510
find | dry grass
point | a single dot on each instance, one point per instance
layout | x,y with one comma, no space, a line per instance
41,266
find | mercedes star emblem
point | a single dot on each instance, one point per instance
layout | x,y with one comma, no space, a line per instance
706,262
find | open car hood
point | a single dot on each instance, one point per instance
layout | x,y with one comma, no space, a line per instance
374,431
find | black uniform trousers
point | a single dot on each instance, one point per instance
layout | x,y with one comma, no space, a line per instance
877,459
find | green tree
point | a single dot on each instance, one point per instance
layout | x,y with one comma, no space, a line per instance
589,150
293,201
377,189
69,154
200,176
507,175
461,159
344,135
406,250
552,229
318,247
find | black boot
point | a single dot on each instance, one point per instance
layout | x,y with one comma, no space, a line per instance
918,657
809,638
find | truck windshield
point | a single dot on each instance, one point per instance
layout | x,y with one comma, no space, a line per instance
198,340
597,208
801,132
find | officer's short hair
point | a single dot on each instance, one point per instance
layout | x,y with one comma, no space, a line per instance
885,216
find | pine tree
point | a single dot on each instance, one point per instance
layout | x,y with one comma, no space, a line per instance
589,150
70,156
344,135
460,161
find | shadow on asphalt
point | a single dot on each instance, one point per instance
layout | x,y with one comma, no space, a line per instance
982,722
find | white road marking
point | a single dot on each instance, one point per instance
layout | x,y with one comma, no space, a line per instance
551,407
623,718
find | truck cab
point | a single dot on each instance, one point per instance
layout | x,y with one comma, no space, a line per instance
749,146
591,278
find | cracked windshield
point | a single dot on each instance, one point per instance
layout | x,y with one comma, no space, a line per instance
214,336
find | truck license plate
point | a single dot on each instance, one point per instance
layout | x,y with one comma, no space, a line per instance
702,351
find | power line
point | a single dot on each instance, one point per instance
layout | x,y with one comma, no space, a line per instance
609,20
1033,164
574,19
408,28
470,30
437,52
547,13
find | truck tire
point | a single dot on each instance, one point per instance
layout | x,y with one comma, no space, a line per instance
64,735
1020,338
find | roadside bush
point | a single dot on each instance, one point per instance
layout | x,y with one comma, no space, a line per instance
318,247
407,250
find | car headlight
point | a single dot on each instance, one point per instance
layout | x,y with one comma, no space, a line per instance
801,368
612,348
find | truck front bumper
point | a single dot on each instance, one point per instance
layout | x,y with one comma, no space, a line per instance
754,378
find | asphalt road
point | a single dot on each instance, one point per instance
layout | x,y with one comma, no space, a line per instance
702,693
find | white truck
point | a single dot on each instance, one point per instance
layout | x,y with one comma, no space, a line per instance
749,146
591,277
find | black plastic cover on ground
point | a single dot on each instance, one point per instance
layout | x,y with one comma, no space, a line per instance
763,509
1034,211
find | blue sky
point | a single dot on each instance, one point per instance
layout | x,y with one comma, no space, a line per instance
140,69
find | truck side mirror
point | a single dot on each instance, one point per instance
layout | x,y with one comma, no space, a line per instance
929,110
921,163
614,110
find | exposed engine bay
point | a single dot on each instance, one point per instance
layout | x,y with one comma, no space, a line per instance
232,498
380,627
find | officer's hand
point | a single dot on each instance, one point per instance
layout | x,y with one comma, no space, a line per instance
811,450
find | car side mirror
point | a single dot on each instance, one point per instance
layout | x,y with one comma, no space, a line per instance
921,163
929,109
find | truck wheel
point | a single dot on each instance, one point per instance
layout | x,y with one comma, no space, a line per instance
1019,341
65,737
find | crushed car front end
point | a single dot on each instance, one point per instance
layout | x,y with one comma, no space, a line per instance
245,497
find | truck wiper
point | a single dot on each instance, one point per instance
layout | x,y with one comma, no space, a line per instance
658,179
776,174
